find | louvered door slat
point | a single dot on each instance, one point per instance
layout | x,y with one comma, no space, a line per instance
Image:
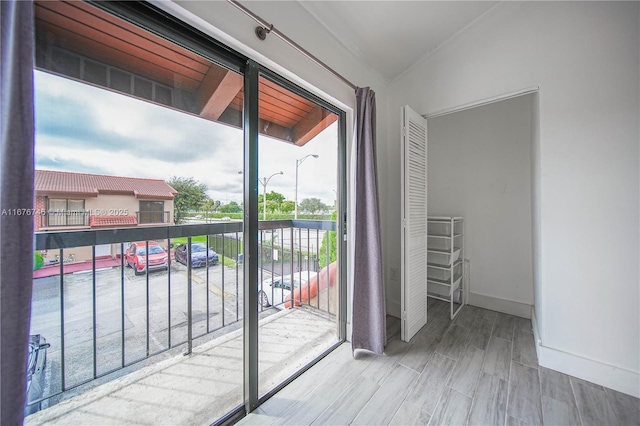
414,214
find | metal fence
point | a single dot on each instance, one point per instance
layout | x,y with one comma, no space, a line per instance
153,216
285,247
66,218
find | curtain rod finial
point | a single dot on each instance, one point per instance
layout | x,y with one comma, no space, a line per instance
261,32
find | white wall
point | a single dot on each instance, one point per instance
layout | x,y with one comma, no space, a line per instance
584,56
479,167
227,24
232,27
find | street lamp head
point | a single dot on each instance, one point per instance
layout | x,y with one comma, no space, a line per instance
265,180
298,162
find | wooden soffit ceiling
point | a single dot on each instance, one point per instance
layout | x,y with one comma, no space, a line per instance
82,42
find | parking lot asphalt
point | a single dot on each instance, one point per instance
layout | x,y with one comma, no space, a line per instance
134,316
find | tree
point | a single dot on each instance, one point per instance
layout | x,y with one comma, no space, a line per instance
232,207
211,205
330,239
287,206
272,206
312,205
191,195
274,196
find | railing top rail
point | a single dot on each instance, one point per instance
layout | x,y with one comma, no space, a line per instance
92,237
324,225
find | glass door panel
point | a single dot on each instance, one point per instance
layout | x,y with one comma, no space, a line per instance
140,137
298,283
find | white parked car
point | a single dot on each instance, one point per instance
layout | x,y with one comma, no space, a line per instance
275,290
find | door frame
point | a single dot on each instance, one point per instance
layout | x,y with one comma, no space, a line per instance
152,18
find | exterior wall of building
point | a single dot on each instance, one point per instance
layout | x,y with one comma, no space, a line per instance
39,219
121,205
102,205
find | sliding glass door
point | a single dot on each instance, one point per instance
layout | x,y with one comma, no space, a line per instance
298,280
189,236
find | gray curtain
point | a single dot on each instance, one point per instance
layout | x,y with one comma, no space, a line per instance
16,192
369,315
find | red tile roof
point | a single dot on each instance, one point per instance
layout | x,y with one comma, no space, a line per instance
88,185
112,221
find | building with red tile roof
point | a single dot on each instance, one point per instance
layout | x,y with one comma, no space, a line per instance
89,185
68,201
82,200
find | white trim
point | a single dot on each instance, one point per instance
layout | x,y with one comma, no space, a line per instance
604,374
536,331
482,102
506,306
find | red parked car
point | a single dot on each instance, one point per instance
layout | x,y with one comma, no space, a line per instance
136,257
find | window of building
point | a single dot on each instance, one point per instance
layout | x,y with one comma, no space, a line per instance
66,212
152,212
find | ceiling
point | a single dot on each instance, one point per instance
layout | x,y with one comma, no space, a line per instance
84,43
391,36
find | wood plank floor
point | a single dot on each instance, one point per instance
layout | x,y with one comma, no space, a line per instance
480,369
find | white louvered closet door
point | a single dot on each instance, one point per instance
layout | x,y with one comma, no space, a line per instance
414,218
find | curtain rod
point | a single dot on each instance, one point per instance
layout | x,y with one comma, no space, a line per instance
269,28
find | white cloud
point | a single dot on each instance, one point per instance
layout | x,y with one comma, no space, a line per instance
129,137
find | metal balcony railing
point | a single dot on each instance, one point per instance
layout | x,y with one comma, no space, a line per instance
153,216
286,248
66,218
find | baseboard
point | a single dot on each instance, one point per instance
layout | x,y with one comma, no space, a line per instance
505,306
536,331
610,376
393,308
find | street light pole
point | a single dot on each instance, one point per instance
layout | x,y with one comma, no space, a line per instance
264,182
298,162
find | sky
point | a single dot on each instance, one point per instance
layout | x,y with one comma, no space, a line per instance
84,129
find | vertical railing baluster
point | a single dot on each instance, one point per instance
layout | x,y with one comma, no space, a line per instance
300,262
62,361
272,261
327,233
122,336
261,272
237,277
292,267
309,273
206,262
222,266
95,305
282,261
169,293
146,269
189,299
316,262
